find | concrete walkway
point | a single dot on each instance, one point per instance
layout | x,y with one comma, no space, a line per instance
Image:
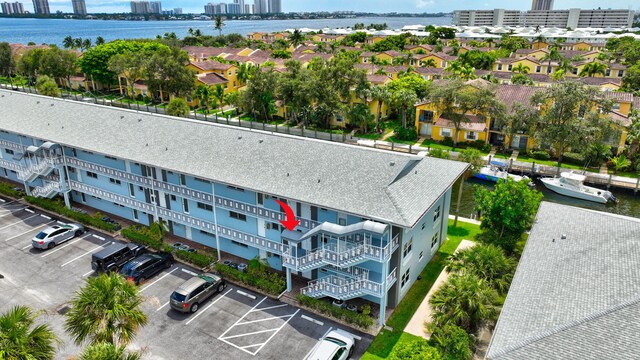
463,219
423,314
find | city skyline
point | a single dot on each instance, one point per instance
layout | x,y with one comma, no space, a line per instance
377,6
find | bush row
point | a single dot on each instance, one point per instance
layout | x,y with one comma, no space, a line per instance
7,189
267,281
540,155
58,207
195,258
139,236
351,317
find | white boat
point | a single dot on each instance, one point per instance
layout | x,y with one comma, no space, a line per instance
496,171
570,184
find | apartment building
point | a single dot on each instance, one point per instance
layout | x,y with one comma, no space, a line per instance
370,220
79,7
12,8
542,5
570,18
41,7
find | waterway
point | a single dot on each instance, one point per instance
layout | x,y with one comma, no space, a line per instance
629,204
53,31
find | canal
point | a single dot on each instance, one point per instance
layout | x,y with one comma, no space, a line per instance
628,204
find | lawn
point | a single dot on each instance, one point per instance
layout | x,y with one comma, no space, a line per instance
629,174
393,139
383,344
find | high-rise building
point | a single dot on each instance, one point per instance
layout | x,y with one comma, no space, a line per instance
215,9
260,7
234,9
240,3
248,9
12,8
79,7
155,7
542,5
139,7
177,11
41,7
570,18
275,6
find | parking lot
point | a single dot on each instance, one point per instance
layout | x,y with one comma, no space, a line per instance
236,323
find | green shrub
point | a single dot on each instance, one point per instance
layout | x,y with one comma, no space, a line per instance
195,258
448,141
140,235
7,189
573,158
439,153
265,280
58,207
452,341
540,155
326,308
408,133
480,145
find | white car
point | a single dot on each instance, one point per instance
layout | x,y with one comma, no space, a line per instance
55,235
336,345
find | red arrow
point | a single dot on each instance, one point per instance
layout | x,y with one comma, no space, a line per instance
290,222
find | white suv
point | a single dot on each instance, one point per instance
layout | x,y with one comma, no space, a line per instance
336,345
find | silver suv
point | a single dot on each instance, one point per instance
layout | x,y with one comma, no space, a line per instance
336,345
188,296
55,235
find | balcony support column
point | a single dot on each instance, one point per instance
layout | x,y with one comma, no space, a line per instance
289,282
383,299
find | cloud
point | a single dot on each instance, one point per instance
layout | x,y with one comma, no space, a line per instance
425,3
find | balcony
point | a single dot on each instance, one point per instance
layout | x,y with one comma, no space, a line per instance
344,289
47,191
339,256
43,167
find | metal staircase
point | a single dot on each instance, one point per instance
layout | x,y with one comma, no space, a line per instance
47,191
42,168
344,288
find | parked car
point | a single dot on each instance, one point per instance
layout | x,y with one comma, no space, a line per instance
193,292
145,266
115,255
55,235
336,345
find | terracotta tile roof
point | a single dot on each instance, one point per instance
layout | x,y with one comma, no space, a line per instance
203,52
367,54
212,79
429,71
618,96
445,56
514,94
475,124
394,53
636,102
619,118
378,79
211,65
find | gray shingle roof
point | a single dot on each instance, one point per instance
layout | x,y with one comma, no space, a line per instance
351,179
573,298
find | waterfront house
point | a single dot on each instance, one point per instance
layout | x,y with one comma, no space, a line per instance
370,220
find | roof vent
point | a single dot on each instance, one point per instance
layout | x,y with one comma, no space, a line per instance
63,126
564,236
392,163
139,120
147,144
121,116
52,104
240,137
416,172
261,141
37,102
318,181
47,124
166,149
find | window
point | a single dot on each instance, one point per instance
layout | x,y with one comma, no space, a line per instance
235,188
436,214
183,180
132,191
538,68
499,67
8,151
72,169
238,216
92,175
471,135
135,214
423,224
114,181
405,278
201,180
581,111
239,244
173,198
607,73
620,73
110,157
445,132
260,199
342,221
574,71
406,249
204,206
207,233
185,205
509,67
421,256
615,106
434,239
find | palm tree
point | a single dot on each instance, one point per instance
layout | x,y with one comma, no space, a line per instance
468,73
465,301
521,69
218,93
429,63
102,351
404,99
68,42
553,55
593,68
244,72
20,339
197,33
77,43
106,309
219,24
99,40
488,262
381,95
296,38
203,93
620,162
86,44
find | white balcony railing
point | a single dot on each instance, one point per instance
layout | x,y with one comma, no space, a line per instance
344,289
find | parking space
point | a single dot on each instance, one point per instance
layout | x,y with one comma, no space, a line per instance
235,323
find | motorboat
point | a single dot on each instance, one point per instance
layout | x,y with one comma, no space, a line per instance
497,171
572,184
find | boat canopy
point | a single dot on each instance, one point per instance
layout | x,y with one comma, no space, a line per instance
498,163
573,177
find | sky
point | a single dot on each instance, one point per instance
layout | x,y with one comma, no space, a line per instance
379,6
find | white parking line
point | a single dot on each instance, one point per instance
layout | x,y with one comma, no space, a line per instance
312,320
275,333
251,333
26,247
265,319
243,316
80,256
29,211
163,305
11,212
46,217
189,272
270,307
64,246
28,231
89,273
18,222
207,308
245,294
162,277
98,237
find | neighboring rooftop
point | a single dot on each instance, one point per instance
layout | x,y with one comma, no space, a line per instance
351,179
576,297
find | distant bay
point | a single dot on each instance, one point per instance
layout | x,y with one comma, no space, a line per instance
53,31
